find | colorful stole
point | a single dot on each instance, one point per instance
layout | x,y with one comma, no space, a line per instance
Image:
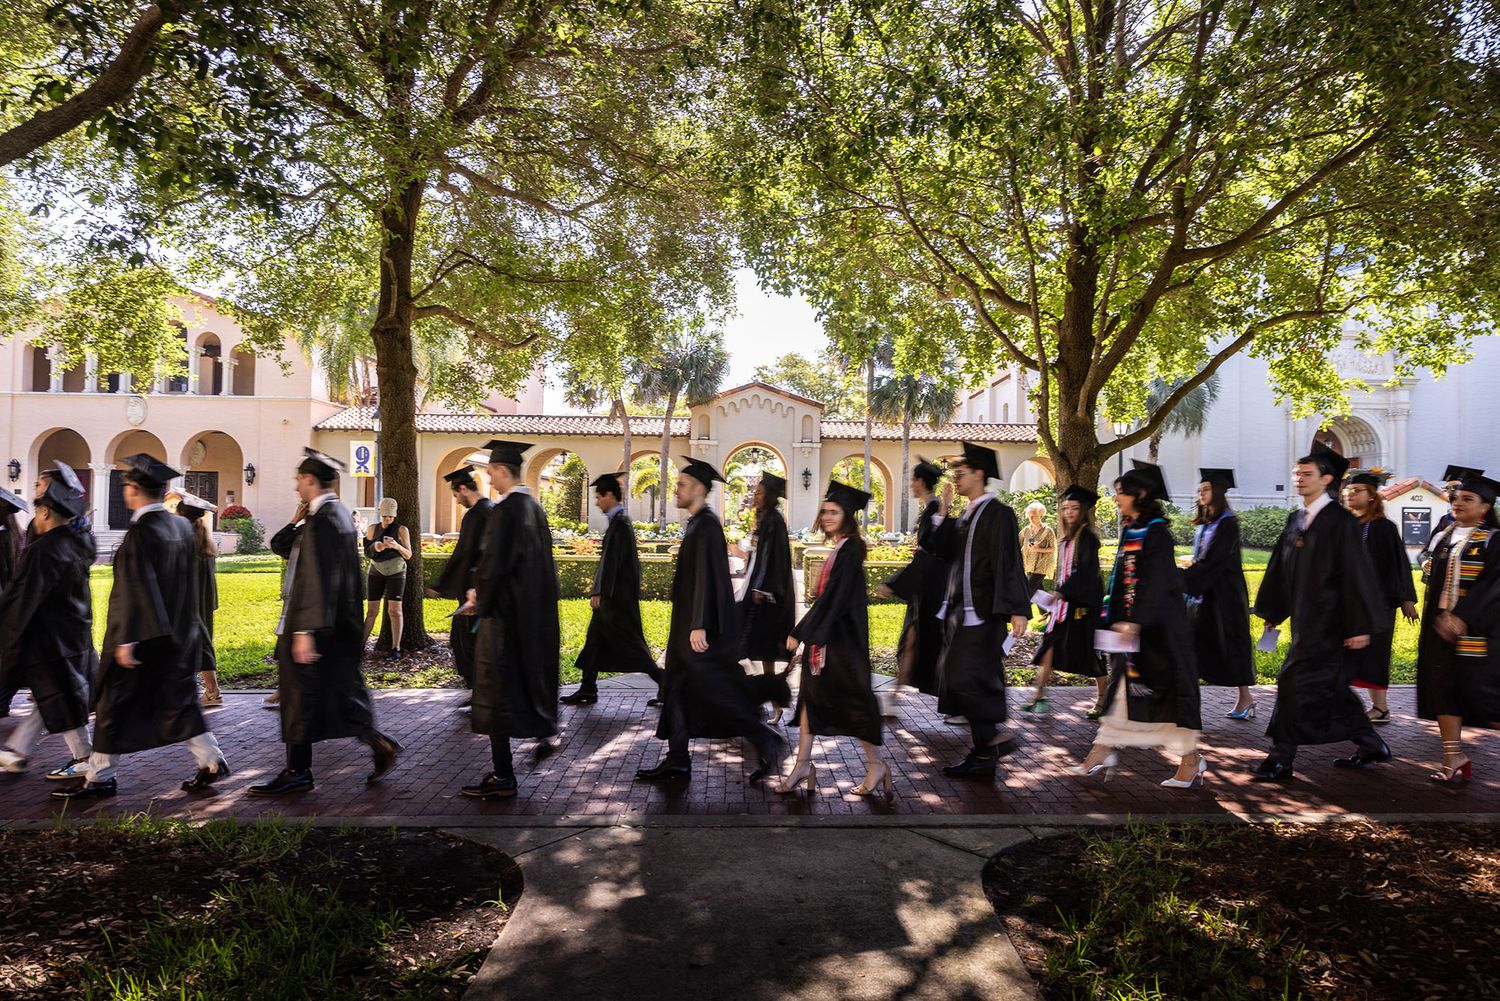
1470,561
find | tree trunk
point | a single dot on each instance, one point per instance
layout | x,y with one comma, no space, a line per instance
1153,449
905,473
625,464
1077,455
396,370
666,448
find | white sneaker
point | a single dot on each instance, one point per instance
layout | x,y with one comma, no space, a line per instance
71,772
11,761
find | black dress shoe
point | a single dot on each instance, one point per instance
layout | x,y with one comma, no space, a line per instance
206,777
492,787
1362,757
972,766
89,790
655,703
287,782
1271,770
580,699
385,751
663,772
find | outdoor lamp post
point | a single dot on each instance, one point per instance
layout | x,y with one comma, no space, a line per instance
249,473
1120,431
13,467
806,478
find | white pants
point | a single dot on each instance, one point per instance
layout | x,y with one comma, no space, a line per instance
205,749
30,728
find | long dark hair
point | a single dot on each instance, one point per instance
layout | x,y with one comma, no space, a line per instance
1147,507
848,527
1085,522
1217,505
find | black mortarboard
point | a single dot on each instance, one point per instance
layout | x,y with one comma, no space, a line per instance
149,468
1459,472
10,502
1366,479
1221,478
1083,495
507,453
1486,488
462,477
325,467
851,499
192,507
1329,461
928,472
701,471
609,483
775,485
64,491
983,459
1148,476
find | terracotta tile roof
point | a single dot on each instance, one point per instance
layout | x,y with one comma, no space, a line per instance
1020,434
359,419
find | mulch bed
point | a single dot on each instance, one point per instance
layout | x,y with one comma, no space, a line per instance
76,896
1340,911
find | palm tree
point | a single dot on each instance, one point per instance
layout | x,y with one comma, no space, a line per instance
906,399
881,353
689,366
1188,417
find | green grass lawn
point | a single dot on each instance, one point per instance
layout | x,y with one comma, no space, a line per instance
250,603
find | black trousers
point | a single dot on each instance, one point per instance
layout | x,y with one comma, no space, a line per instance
1366,740
766,741
983,732
299,756
500,757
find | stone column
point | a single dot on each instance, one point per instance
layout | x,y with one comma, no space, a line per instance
91,373
124,383
54,356
159,387
195,358
99,495
226,365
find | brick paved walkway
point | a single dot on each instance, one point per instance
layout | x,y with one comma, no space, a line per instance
590,780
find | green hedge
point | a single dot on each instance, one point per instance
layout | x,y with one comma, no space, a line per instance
877,572
575,576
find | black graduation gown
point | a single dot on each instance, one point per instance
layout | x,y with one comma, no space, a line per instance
153,604
46,628
454,582
1072,639
708,693
768,624
208,603
838,700
7,568
1164,685
1466,686
1371,667
971,669
1327,588
615,640
921,584
1221,622
323,595
516,665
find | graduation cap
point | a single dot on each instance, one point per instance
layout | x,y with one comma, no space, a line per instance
701,471
1329,461
462,478
1085,497
192,507
851,499
983,459
506,453
775,485
927,471
1457,473
64,492
1366,479
1221,478
320,464
609,483
1484,487
1146,476
148,469
9,502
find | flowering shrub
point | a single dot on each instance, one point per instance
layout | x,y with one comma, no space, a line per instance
234,511
430,545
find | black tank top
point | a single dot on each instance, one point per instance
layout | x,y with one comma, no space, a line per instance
391,532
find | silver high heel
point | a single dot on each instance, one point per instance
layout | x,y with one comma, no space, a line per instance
1246,713
1176,783
791,782
1106,766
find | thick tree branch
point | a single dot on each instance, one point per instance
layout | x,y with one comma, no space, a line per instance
478,330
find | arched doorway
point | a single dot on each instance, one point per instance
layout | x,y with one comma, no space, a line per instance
743,466
1356,440
60,445
213,468
210,366
851,470
646,492
128,443
447,513
1030,474
559,479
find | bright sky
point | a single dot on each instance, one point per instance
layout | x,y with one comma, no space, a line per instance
767,327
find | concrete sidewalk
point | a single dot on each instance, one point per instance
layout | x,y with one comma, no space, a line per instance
760,915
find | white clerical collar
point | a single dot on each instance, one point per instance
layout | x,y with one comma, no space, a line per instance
320,500
1319,503
141,512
